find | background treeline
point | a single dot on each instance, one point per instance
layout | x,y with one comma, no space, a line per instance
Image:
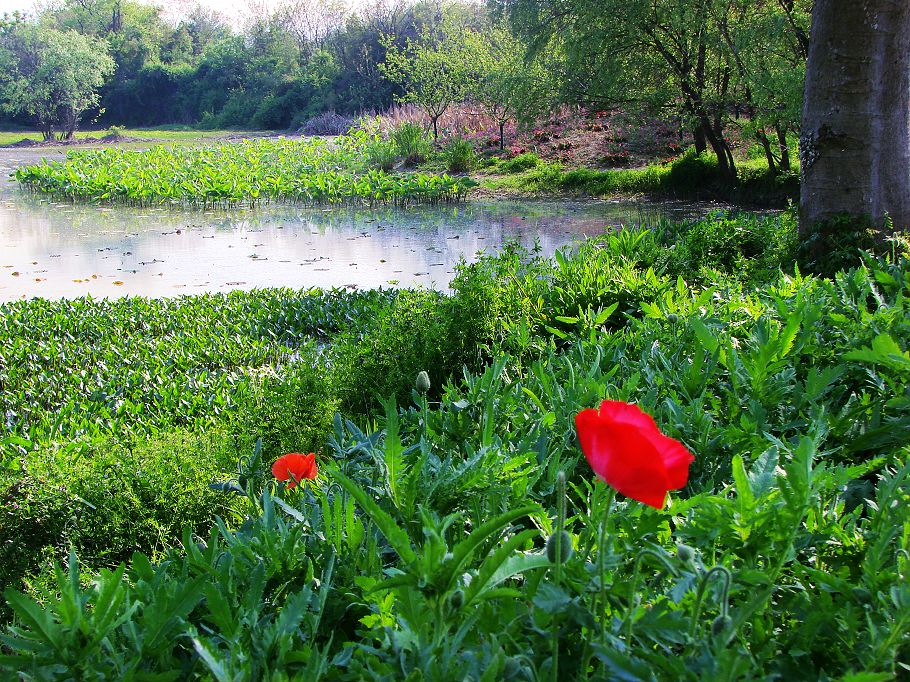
701,64
288,64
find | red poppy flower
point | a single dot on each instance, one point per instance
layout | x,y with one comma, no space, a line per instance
626,449
294,467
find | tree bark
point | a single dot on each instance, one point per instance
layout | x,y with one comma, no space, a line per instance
855,133
701,142
762,137
784,149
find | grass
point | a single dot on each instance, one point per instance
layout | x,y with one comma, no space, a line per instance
689,176
158,134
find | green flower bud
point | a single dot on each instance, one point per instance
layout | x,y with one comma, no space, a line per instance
672,318
422,383
565,547
684,553
456,599
721,624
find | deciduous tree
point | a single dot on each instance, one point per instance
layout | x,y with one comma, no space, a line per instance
51,75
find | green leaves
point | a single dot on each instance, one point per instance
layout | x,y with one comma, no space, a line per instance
308,172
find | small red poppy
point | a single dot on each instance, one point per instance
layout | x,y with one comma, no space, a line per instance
626,449
294,467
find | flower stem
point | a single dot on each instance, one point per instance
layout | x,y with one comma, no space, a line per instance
699,595
560,524
601,564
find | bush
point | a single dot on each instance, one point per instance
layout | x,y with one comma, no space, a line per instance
412,143
752,247
381,154
290,408
459,156
327,123
520,163
107,499
692,172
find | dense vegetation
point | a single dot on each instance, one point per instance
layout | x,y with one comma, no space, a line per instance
421,549
312,171
699,66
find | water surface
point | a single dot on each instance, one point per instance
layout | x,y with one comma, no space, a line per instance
54,249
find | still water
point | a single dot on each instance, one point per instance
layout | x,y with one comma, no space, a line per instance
57,250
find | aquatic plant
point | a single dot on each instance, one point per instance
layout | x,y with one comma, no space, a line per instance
251,172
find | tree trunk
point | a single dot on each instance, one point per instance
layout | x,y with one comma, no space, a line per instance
725,163
502,135
855,134
435,129
784,149
766,146
701,142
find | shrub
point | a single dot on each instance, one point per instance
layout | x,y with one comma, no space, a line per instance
692,172
751,247
290,408
107,499
411,142
459,155
381,154
327,123
520,163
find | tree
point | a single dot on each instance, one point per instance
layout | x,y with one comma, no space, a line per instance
433,70
767,42
52,76
661,55
855,140
502,81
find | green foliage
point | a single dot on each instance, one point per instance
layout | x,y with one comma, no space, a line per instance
460,156
90,367
421,552
107,499
410,141
311,172
754,247
52,76
521,162
434,70
288,408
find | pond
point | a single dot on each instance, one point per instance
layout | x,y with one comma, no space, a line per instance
53,249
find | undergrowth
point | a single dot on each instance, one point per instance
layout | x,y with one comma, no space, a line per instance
420,550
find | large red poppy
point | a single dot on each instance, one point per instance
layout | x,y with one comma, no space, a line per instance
626,449
294,467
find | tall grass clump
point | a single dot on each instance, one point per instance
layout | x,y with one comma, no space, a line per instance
412,143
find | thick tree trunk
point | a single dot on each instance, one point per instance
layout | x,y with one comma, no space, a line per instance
855,134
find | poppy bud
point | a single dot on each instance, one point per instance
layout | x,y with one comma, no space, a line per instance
721,624
565,547
684,553
672,318
456,599
422,383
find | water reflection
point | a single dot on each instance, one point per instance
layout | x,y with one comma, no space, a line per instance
60,249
